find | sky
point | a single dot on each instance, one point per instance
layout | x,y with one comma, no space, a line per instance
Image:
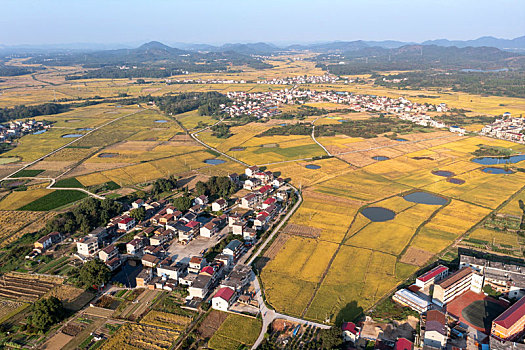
40,22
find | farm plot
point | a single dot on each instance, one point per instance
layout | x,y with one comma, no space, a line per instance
332,215
191,119
302,176
135,336
289,279
360,185
31,147
20,288
8,308
211,323
17,199
166,320
392,236
447,225
228,337
54,200
301,230
12,222
356,280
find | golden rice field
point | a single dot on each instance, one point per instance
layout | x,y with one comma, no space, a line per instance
229,337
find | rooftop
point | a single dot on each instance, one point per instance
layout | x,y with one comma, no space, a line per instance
224,293
432,273
512,314
455,277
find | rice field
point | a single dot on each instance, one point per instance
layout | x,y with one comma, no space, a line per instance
228,336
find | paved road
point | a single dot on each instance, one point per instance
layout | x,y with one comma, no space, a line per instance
269,315
278,227
313,137
194,136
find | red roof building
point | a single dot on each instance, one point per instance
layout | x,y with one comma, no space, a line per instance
225,293
403,344
510,324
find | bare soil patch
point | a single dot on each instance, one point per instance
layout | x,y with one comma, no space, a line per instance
415,256
302,230
210,325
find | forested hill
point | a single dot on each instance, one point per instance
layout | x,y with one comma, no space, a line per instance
153,59
419,57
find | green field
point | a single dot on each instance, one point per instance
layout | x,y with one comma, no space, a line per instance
68,183
54,200
27,173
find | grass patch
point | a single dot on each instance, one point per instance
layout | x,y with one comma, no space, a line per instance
27,173
54,200
68,183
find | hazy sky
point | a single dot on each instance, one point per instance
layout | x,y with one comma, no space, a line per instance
280,21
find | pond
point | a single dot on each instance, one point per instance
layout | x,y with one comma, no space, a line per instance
127,272
161,121
84,129
67,136
455,181
40,132
494,170
425,198
378,214
108,155
380,158
499,160
423,158
400,140
444,173
282,124
237,149
312,166
214,161
73,120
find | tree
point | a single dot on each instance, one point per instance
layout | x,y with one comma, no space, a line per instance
331,338
182,203
138,214
46,312
94,273
201,188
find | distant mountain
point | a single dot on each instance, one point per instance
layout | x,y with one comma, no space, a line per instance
420,57
503,44
252,48
331,47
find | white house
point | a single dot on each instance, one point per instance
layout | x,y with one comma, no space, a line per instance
126,224
251,170
222,299
219,204
209,229
201,200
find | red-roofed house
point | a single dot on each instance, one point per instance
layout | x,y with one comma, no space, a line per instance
403,344
436,274
222,299
208,270
511,324
265,190
126,224
350,332
269,201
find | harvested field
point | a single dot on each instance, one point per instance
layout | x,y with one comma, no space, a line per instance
134,336
302,230
415,256
15,224
210,325
20,288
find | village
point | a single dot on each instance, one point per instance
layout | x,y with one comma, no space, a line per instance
203,249
265,105
481,304
506,128
16,129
